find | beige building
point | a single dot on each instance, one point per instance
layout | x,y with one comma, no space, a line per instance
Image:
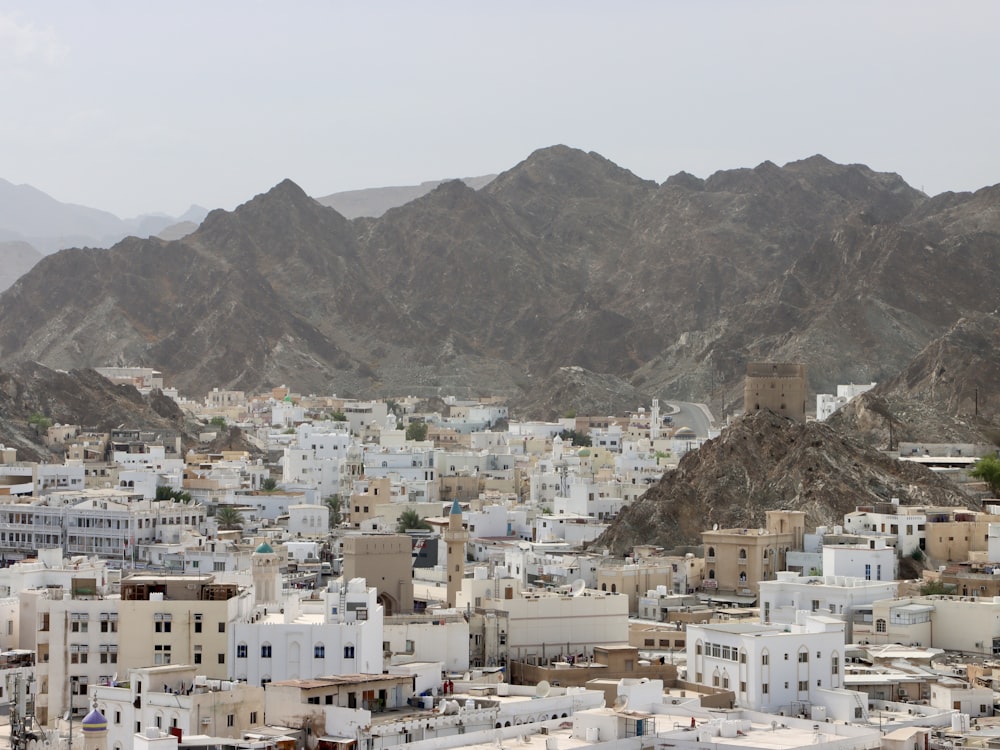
634,578
179,620
952,534
736,560
385,561
779,386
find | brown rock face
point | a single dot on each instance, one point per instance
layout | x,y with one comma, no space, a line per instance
766,462
565,260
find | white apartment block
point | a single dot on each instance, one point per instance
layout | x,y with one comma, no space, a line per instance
340,631
108,523
176,697
769,668
790,593
906,524
872,560
827,403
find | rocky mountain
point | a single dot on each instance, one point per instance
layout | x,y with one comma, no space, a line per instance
374,202
766,462
566,260
949,392
80,397
29,215
17,260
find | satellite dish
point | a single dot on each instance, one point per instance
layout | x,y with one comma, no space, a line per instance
715,527
621,703
577,587
542,689
761,532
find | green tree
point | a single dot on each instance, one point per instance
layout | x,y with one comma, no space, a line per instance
165,493
987,469
269,485
217,421
40,422
336,515
338,416
936,587
576,438
416,431
228,518
410,519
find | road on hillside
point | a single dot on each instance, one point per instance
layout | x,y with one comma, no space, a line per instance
686,414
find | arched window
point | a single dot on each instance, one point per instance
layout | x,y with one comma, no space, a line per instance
711,552
349,651
880,626
241,651
711,574
265,650
604,587
319,651
743,576
614,588
743,553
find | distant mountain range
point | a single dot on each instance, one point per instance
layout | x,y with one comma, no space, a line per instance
565,260
374,202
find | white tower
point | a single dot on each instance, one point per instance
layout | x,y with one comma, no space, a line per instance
654,420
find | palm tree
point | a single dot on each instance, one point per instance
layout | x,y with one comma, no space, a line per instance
228,518
336,515
410,519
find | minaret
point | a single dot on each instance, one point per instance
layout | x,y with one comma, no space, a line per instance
266,574
455,536
654,420
95,730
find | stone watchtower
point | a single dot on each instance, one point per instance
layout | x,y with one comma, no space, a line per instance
455,536
778,386
266,574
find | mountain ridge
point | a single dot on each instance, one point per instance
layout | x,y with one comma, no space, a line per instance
565,260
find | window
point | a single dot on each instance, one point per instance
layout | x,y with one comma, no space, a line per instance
880,626
803,686
78,627
319,651
222,658
222,627
348,652
764,689
161,654
197,623
803,657
765,659
743,687
162,627
815,605
743,657
253,718
265,651
697,649
868,572
241,651
197,657
230,720
835,664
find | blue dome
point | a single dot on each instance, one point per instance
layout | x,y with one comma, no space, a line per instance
95,722
264,549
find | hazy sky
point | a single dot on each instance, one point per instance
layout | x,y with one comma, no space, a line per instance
139,107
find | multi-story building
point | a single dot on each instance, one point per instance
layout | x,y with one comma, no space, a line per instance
736,560
180,619
177,698
782,598
769,667
337,631
385,561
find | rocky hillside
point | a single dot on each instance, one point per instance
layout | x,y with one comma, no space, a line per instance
766,462
16,259
949,392
565,260
80,397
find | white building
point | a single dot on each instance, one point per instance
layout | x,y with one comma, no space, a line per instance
769,668
906,523
340,631
872,560
791,593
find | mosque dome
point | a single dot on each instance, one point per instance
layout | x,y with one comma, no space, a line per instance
95,722
264,549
